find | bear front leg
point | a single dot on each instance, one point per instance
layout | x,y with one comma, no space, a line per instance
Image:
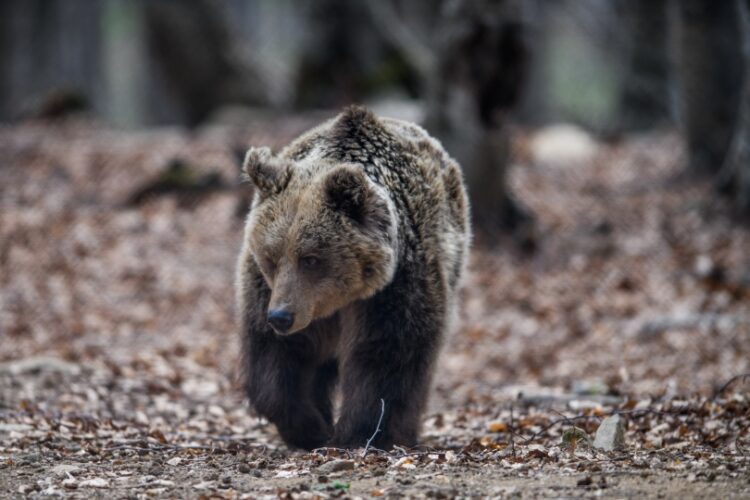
279,388
279,372
325,381
395,339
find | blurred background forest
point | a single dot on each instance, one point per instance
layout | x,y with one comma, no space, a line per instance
606,147
465,69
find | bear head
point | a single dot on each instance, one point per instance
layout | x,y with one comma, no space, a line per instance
322,234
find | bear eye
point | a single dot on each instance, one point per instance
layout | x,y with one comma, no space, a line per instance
309,262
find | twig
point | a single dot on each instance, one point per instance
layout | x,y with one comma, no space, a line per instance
377,428
512,434
729,382
562,415
159,447
738,445
133,448
556,422
404,452
326,449
635,413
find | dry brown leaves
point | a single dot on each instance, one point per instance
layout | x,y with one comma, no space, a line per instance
119,343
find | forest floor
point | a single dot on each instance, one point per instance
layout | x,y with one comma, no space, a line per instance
118,345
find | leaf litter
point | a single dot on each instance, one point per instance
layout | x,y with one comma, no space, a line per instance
118,371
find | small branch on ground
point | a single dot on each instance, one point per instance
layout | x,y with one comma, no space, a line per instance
343,451
659,325
377,428
738,446
562,415
159,447
568,420
512,433
720,390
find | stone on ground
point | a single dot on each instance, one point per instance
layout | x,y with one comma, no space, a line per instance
611,434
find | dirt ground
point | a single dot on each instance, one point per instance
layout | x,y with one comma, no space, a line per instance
118,345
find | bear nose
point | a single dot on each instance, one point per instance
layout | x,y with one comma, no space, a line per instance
281,320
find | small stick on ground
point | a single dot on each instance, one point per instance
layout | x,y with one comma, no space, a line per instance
729,382
566,420
377,428
512,433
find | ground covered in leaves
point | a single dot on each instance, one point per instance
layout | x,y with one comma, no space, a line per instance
118,354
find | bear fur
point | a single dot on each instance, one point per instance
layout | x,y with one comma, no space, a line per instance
357,238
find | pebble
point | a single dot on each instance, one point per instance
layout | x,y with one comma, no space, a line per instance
15,427
97,482
611,434
336,466
64,469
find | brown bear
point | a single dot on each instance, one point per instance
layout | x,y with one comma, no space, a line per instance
353,249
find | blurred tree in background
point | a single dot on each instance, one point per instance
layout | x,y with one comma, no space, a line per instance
468,70
191,46
645,98
735,173
714,70
472,60
710,73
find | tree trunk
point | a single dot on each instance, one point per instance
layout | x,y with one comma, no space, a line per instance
50,57
479,76
645,101
194,52
471,57
340,56
735,175
710,70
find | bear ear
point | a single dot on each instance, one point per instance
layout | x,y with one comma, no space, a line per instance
269,173
348,191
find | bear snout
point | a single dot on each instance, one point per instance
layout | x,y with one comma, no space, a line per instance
280,320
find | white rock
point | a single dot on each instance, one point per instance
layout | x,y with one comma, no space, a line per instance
199,388
39,364
70,483
286,474
97,482
141,418
611,434
336,466
563,146
204,485
216,411
64,470
15,427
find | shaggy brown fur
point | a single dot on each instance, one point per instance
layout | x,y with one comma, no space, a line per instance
353,250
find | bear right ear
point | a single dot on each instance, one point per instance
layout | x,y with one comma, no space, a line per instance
348,191
269,173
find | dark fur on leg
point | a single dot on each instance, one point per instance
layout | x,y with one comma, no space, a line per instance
279,375
325,381
396,336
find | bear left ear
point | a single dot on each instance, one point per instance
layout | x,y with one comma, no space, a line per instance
269,173
347,190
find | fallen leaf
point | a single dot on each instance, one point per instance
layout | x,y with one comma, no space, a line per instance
497,427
